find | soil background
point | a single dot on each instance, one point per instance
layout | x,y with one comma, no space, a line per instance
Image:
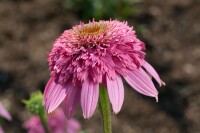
170,30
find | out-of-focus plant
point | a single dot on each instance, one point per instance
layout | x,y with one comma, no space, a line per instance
4,114
102,9
51,123
34,106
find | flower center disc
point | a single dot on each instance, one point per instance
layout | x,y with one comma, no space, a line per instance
92,29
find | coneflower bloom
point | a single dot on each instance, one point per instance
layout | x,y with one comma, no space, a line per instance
97,53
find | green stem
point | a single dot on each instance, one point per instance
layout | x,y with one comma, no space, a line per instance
43,119
104,108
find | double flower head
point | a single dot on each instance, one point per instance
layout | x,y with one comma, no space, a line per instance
97,53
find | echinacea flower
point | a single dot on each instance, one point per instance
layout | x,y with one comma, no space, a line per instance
97,53
56,123
4,114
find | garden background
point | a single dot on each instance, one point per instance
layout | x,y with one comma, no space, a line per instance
170,30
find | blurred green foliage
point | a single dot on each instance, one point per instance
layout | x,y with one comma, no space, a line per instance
34,103
101,9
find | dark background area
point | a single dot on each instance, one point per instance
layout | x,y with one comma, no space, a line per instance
170,30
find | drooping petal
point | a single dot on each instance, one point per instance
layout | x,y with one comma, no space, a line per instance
54,94
46,90
115,92
153,72
72,100
4,113
141,82
89,97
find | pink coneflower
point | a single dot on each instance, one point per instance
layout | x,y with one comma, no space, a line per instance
56,123
94,53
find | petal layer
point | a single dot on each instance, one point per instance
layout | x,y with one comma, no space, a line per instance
54,94
116,92
89,97
141,82
71,101
153,72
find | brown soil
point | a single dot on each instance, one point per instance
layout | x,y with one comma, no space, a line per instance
172,30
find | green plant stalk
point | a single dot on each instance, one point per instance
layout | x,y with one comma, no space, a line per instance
43,119
104,108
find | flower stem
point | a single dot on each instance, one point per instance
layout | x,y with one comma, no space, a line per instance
104,108
43,119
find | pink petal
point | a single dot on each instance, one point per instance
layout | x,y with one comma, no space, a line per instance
46,90
89,97
4,113
71,101
141,82
115,92
153,72
54,94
